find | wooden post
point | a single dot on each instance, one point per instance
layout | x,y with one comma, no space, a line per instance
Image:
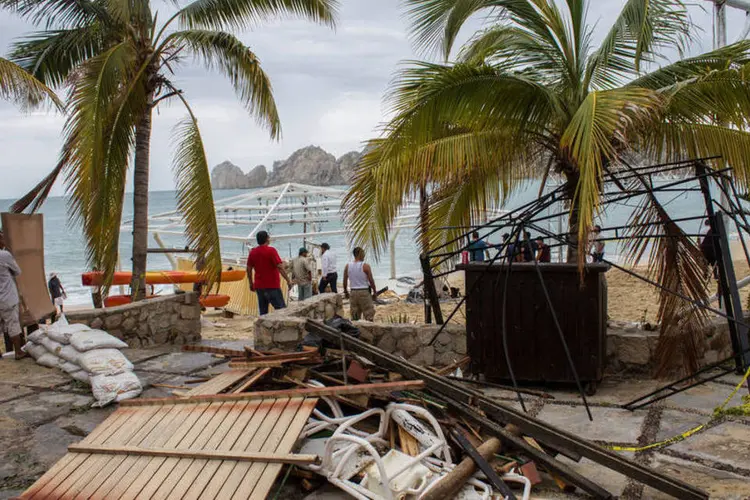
455,479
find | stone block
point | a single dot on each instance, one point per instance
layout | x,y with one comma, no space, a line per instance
409,345
330,311
96,323
460,344
113,321
129,324
190,312
288,335
443,339
387,343
633,349
425,356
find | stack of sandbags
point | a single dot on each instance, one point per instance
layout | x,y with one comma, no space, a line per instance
90,356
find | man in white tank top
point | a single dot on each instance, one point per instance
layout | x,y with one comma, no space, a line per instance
363,287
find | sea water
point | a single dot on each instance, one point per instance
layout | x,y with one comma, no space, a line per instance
65,250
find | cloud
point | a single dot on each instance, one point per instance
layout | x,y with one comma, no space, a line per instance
329,87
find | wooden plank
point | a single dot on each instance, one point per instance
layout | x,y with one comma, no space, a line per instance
386,387
122,435
289,458
254,378
220,382
102,467
277,413
254,365
187,471
242,443
200,438
135,469
268,476
112,423
214,350
287,356
149,465
249,474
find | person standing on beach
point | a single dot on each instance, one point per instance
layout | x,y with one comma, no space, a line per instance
528,247
478,248
596,245
302,274
57,292
361,301
264,269
543,252
329,270
10,319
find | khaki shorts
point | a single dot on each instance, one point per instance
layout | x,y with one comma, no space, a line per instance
10,321
361,305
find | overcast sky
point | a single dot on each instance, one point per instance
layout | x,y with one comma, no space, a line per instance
328,87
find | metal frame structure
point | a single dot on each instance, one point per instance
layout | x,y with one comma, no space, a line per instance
626,183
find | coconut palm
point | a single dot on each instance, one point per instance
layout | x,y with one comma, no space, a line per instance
118,59
530,95
19,86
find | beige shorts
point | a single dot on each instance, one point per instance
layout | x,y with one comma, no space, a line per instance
10,321
361,305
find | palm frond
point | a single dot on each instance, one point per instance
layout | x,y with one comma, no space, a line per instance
603,121
39,193
100,132
643,30
60,13
677,264
52,55
19,86
195,198
244,14
237,62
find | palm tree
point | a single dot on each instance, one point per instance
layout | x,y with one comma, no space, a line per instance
530,95
118,62
19,86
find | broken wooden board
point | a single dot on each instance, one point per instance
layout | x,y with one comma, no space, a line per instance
214,350
220,382
387,387
268,426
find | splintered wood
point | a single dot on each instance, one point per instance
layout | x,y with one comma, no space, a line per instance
268,426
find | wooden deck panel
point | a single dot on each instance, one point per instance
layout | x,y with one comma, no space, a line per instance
269,425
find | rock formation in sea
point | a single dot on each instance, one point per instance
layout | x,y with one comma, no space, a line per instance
309,165
227,175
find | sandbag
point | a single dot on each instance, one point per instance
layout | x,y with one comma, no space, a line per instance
63,333
104,362
37,335
69,353
51,345
49,360
34,350
68,367
81,376
95,339
109,388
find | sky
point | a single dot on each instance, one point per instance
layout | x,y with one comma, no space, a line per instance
329,88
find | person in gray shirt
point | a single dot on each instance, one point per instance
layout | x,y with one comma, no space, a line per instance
9,315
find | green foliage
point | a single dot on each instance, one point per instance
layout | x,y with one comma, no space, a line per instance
19,86
117,62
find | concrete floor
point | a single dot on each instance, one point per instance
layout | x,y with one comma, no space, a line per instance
42,412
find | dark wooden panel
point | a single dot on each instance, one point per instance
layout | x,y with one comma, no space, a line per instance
534,347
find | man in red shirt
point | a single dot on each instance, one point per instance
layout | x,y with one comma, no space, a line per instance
268,267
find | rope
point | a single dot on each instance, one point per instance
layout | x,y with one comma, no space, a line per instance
720,411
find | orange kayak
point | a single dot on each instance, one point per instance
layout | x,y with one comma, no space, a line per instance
95,278
207,301
214,300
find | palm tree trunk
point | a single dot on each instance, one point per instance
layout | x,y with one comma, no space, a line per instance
424,213
573,247
140,205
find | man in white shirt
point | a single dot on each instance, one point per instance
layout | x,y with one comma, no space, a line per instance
329,272
9,316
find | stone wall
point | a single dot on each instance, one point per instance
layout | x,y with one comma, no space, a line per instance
285,328
172,319
412,341
630,347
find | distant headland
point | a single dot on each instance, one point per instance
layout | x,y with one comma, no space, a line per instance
309,165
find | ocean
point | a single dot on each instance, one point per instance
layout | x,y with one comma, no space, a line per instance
65,250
